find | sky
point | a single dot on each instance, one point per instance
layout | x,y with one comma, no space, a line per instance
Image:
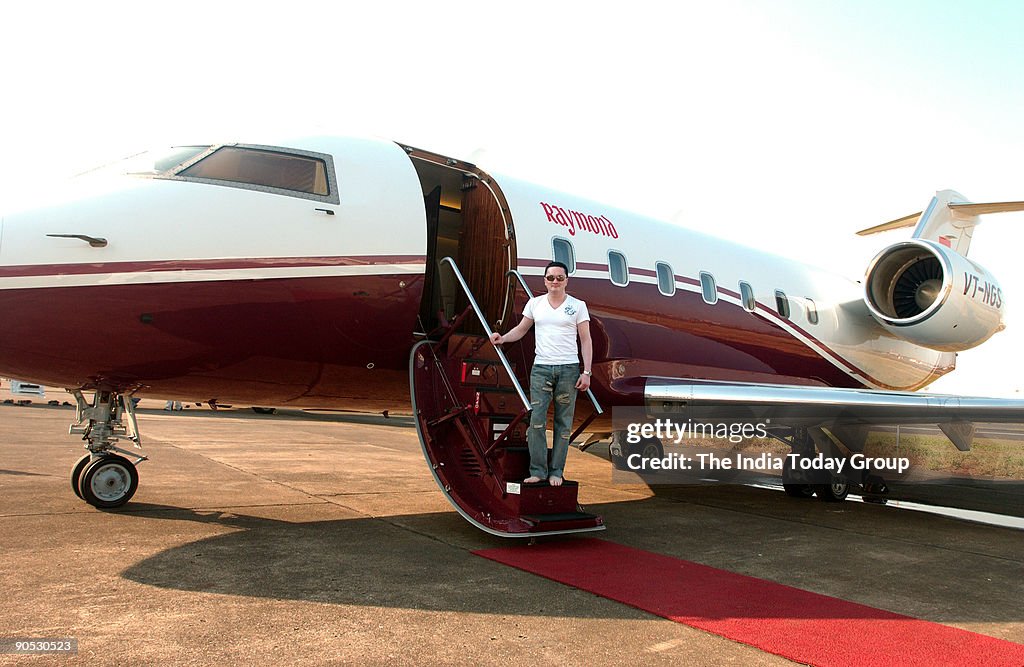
786,124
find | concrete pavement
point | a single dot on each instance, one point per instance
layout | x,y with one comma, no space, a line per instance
298,539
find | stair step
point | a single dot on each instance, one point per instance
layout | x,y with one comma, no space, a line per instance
544,523
496,402
463,346
542,498
562,516
499,424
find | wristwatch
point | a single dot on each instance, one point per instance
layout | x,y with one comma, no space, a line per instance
588,373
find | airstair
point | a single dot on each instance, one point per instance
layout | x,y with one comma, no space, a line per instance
472,415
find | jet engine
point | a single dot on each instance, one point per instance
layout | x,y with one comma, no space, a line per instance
925,293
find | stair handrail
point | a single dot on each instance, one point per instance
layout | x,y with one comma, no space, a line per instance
488,331
529,293
522,281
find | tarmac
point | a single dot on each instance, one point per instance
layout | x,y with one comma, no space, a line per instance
320,538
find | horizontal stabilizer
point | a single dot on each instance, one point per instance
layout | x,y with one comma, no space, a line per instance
949,220
993,207
905,221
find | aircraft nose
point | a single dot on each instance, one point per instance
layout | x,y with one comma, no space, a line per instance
72,223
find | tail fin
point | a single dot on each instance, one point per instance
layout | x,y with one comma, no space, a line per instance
949,219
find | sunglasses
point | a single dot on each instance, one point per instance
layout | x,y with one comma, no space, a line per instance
552,279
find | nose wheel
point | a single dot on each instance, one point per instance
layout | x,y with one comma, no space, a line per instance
108,481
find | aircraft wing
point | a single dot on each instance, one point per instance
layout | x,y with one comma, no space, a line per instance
845,412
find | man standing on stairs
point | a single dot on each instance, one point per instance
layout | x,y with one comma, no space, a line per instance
556,369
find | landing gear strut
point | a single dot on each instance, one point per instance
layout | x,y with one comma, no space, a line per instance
103,478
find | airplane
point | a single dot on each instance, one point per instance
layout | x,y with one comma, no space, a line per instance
365,274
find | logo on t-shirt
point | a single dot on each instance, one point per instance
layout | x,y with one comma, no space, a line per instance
569,310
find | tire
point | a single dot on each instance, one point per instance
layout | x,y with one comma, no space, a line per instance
76,473
109,482
648,448
834,492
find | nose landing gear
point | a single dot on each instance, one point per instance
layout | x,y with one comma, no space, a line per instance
103,478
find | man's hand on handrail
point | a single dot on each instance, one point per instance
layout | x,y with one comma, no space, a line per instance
514,334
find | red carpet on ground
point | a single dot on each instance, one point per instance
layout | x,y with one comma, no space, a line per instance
790,622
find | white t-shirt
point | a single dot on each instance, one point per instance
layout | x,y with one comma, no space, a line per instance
555,329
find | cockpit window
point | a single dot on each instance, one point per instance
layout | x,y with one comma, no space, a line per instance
264,168
283,171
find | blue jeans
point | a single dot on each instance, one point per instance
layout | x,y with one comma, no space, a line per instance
547,382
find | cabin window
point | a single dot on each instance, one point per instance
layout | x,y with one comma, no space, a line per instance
562,251
618,270
666,279
782,303
708,288
812,311
747,296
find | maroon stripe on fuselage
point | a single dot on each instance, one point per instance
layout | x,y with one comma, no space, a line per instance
734,344
732,321
729,292
639,332
774,317
29,270
320,341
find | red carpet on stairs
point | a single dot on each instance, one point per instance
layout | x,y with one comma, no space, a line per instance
790,622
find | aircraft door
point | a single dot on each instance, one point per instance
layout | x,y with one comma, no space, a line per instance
467,219
484,249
